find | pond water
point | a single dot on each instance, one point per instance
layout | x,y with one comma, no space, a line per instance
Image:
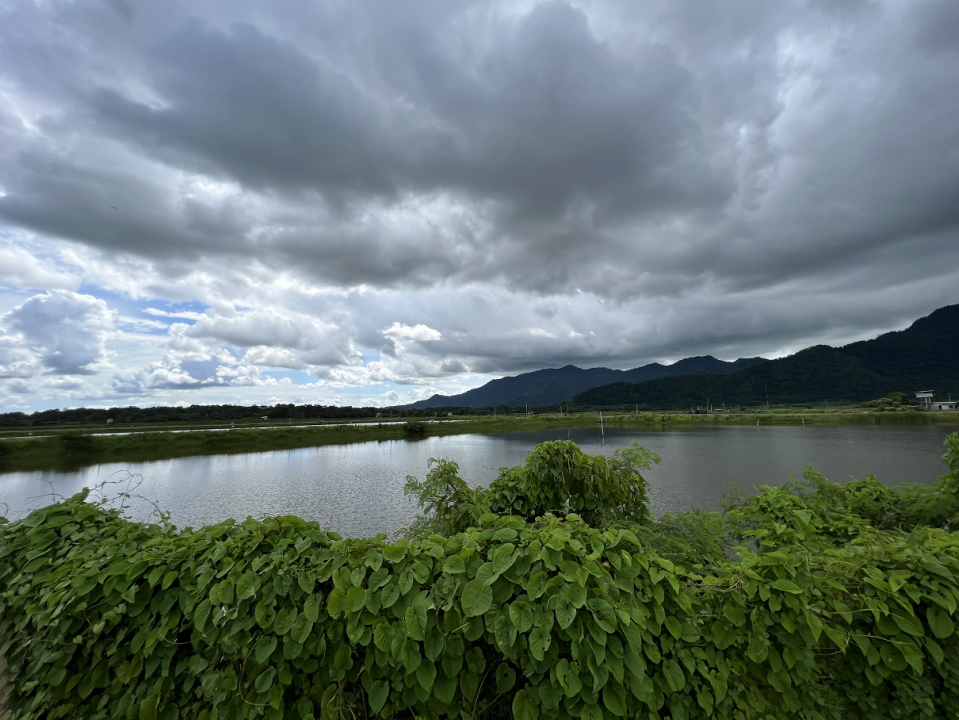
357,489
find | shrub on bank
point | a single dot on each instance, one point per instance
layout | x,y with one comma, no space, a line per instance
414,427
773,610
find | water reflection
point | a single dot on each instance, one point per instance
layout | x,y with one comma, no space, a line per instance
357,489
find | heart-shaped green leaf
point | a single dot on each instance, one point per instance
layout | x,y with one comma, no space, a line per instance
378,693
524,708
264,648
246,586
522,615
301,628
674,675
477,598
284,621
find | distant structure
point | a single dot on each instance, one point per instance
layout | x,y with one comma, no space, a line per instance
927,401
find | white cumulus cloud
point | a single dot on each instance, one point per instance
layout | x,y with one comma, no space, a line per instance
58,332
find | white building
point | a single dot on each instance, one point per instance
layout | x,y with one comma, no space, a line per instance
925,398
927,401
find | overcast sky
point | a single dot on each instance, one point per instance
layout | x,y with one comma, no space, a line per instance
367,202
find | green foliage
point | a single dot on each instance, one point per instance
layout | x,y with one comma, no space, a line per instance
557,478
560,478
820,512
449,505
823,616
950,481
695,540
414,427
892,363
893,402
194,414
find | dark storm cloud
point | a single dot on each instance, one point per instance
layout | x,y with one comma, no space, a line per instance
565,148
547,115
547,123
937,26
732,178
114,209
247,106
544,137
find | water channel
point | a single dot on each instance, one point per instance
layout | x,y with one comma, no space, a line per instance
357,489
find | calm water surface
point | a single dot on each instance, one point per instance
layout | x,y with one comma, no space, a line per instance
358,489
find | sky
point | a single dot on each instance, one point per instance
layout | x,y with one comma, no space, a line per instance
369,202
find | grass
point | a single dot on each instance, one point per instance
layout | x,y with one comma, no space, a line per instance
69,449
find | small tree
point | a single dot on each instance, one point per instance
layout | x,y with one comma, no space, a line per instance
560,478
557,478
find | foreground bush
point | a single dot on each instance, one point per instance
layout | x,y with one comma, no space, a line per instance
557,478
104,618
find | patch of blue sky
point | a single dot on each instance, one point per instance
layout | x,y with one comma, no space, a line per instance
173,311
200,369
369,356
129,311
125,306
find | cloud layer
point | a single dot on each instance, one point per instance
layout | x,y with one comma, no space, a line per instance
362,202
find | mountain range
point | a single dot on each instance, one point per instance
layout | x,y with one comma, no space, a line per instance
554,386
923,356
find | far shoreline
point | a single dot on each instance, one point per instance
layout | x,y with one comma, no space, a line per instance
45,448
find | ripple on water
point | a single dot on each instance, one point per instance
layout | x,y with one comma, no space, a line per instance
357,489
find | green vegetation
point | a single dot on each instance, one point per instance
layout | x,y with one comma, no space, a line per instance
920,357
814,600
74,449
894,402
553,387
78,449
414,427
70,450
194,415
558,478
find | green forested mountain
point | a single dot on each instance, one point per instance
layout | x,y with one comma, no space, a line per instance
924,356
553,386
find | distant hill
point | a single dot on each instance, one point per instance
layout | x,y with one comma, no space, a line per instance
925,356
553,386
